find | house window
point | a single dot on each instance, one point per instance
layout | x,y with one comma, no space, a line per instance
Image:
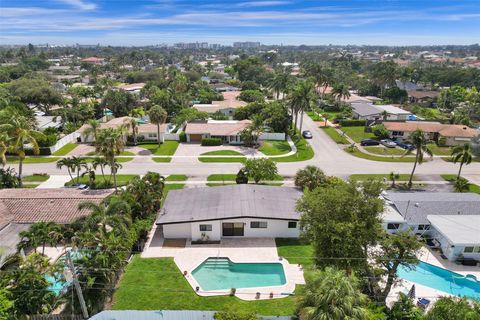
393,226
424,227
258,224
292,224
468,249
476,250
152,135
397,133
205,227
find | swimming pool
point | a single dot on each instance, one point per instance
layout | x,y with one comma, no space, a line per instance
441,279
222,274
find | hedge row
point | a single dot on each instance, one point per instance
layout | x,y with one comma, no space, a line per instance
352,123
211,142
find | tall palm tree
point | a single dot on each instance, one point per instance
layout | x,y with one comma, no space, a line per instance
301,99
310,177
40,233
4,141
330,295
419,143
158,116
68,163
94,127
21,132
115,215
280,83
340,91
133,124
110,143
100,162
462,154
77,165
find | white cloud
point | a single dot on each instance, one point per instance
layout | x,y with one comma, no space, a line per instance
253,4
79,4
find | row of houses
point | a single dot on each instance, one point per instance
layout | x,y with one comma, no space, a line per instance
369,111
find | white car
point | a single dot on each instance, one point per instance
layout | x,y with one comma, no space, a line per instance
388,143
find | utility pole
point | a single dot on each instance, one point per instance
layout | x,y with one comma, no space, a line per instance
83,306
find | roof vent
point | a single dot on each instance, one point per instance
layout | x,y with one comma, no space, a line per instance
464,128
417,204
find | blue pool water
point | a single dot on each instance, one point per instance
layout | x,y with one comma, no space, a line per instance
222,274
441,279
57,283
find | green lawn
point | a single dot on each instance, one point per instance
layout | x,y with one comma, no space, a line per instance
167,148
165,159
385,151
172,186
122,179
65,149
337,137
33,159
230,159
176,177
357,133
360,177
314,116
471,186
157,284
440,151
359,154
222,153
222,177
295,251
304,152
218,184
118,159
274,147
123,153
36,178
331,115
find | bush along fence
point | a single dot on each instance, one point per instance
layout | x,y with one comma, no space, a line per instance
211,142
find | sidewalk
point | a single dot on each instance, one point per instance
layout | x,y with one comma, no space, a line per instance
54,182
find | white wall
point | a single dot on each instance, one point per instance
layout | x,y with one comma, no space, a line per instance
72,137
215,234
175,231
171,136
272,136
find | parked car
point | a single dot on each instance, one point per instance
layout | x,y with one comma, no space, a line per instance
307,134
337,120
369,142
404,145
388,143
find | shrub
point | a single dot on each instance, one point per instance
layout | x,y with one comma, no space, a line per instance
183,136
241,178
48,141
211,142
442,142
352,123
380,131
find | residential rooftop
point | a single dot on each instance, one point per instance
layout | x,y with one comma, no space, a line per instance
459,229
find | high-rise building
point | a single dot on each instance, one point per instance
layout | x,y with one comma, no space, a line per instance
246,44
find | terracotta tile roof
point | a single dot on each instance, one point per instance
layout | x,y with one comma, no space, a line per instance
131,86
34,205
423,94
93,59
446,130
217,128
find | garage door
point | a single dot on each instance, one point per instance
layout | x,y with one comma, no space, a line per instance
195,137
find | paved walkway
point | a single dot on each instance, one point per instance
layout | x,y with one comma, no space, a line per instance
55,181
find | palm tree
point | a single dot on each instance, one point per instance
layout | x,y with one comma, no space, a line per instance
158,116
4,141
40,233
330,295
280,83
21,132
68,163
461,185
301,98
462,154
115,215
110,143
394,177
132,123
94,126
385,115
100,162
310,177
77,165
419,143
340,91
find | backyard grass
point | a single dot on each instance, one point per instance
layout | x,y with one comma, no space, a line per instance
359,154
65,149
274,147
304,152
295,251
176,177
167,148
452,177
357,133
230,159
222,153
36,178
122,179
385,151
334,135
361,177
440,151
157,284
33,159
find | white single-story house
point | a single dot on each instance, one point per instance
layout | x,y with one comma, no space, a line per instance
243,211
452,134
146,131
366,111
393,112
227,106
228,130
131,87
452,220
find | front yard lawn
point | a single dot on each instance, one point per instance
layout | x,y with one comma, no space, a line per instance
167,148
224,159
33,159
158,284
385,151
36,178
222,153
295,251
453,177
314,116
176,177
274,147
304,152
222,177
440,151
362,177
122,179
337,137
357,133
65,149
360,154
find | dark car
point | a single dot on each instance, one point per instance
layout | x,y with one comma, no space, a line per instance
369,142
404,145
307,134
337,120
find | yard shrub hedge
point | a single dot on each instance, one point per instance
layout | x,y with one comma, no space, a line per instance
183,136
352,123
211,142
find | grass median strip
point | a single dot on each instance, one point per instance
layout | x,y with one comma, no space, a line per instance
167,148
274,147
334,135
304,152
36,178
65,149
122,179
402,177
176,177
357,153
225,159
33,159
222,153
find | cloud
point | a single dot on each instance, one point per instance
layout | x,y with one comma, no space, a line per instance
254,4
79,4
27,11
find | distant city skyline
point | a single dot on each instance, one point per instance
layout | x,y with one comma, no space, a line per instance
272,22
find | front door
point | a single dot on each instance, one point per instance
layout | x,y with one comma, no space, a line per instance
232,229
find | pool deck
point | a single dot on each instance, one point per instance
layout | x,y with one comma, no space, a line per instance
238,250
431,257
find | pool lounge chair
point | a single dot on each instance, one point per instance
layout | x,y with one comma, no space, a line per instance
423,303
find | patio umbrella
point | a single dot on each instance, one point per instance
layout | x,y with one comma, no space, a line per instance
411,293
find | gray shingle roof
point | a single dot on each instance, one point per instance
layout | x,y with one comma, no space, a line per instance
365,109
416,206
226,202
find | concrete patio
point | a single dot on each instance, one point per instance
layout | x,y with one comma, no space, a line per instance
237,250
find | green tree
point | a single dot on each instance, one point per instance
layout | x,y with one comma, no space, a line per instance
110,143
251,96
340,91
158,116
40,234
114,216
119,102
394,177
145,195
404,309
5,304
301,98
187,115
235,315
68,163
447,308
420,145
310,177
8,178
35,91
462,154
280,83
92,129
332,295
4,142
133,124
260,169
461,185
380,131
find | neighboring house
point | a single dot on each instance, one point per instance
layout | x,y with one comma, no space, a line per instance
19,208
222,87
452,220
227,106
408,86
146,131
451,134
94,60
132,87
394,113
167,315
243,210
227,130
44,122
423,97
366,111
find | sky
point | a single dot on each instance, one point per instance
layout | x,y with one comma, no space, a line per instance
288,22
